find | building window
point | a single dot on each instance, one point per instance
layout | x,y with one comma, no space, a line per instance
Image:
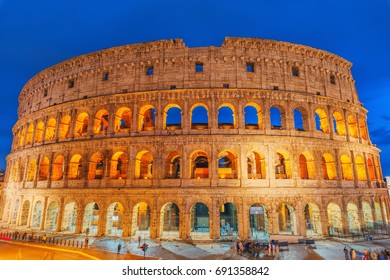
105,76
276,88
332,79
149,71
250,67
225,85
295,71
173,87
45,93
71,84
199,67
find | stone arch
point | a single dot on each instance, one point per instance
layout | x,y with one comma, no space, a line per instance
32,167
228,220
144,165
64,127
114,221
322,122
287,219
58,168
172,117
346,167
259,223
24,214
301,119
30,134
50,129
199,165
52,216
253,116
169,220
44,169
335,223
81,127
352,126
22,137
371,169
378,212
339,123
307,166
367,215
118,167
69,217
282,165
172,165
227,165
141,220
200,221
313,220
329,171
226,116
146,118
256,165
91,218
123,118
377,169
199,116
101,122
353,218
360,168
37,215
15,211
96,166
39,132
363,128
277,117
75,167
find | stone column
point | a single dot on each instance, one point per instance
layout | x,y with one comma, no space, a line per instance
30,212
102,220
245,217
214,218
80,218
300,219
355,174
126,223
91,123
37,170
324,221
383,211
274,220
111,120
66,169
58,122
154,222
348,137
42,225
72,124
49,175
60,215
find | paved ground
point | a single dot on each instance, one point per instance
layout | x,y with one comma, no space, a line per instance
106,248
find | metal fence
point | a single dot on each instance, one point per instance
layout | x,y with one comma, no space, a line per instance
375,230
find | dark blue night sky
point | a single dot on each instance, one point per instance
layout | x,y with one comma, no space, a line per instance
37,34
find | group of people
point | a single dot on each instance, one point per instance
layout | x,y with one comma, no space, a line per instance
256,248
351,254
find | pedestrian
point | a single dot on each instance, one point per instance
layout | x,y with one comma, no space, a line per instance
119,248
139,241
86,242
44,238
353,254
346,253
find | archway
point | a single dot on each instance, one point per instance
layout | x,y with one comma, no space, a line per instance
227,165
306,166
101,122
39,132
352,126
287,219
199,117
276,118
256,165
253,116
313,220
353,218
114,224
44,169
378,213
360,168
200,222
81,127
96,166
226,116
328,167
228,221
37,215
282,166
339,124
259,225
69,218
64,127
91,218
322,123
141,220
118,167
334,219
58,168
169,221
52,216
123,119
199,165
367,215
50,129
172,117
25,211
32,166
346,167
147,118
172,166
30,133
144,165
15,212
75,167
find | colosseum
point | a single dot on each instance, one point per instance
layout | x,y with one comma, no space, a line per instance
250,139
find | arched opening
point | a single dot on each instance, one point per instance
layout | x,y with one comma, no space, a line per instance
276,118
81,127
298,120
335,223
259,224
313,220
22,136
363,128
123,119
101,122
51,216
37,215
346,167
58,168
69,218
147,118
96,167
377,169
282,166
39,132
226,117
227,165
328,167
339,124
352,126
75,167
371,169
367,215
172,117
15,212
30,133
199,117
353,218
378,213
322,123
169,221
256,165
144,165
360,169
228,221
119,163
200,222
199,165
64,127
172,166
253,116
306,166
50,129
114,224
44,169
32,167
24,215
141,220
287,219
91,219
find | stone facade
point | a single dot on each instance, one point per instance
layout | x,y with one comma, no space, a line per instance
252,138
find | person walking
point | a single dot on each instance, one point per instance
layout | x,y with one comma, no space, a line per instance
86,242
119,248
139,241
346,253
